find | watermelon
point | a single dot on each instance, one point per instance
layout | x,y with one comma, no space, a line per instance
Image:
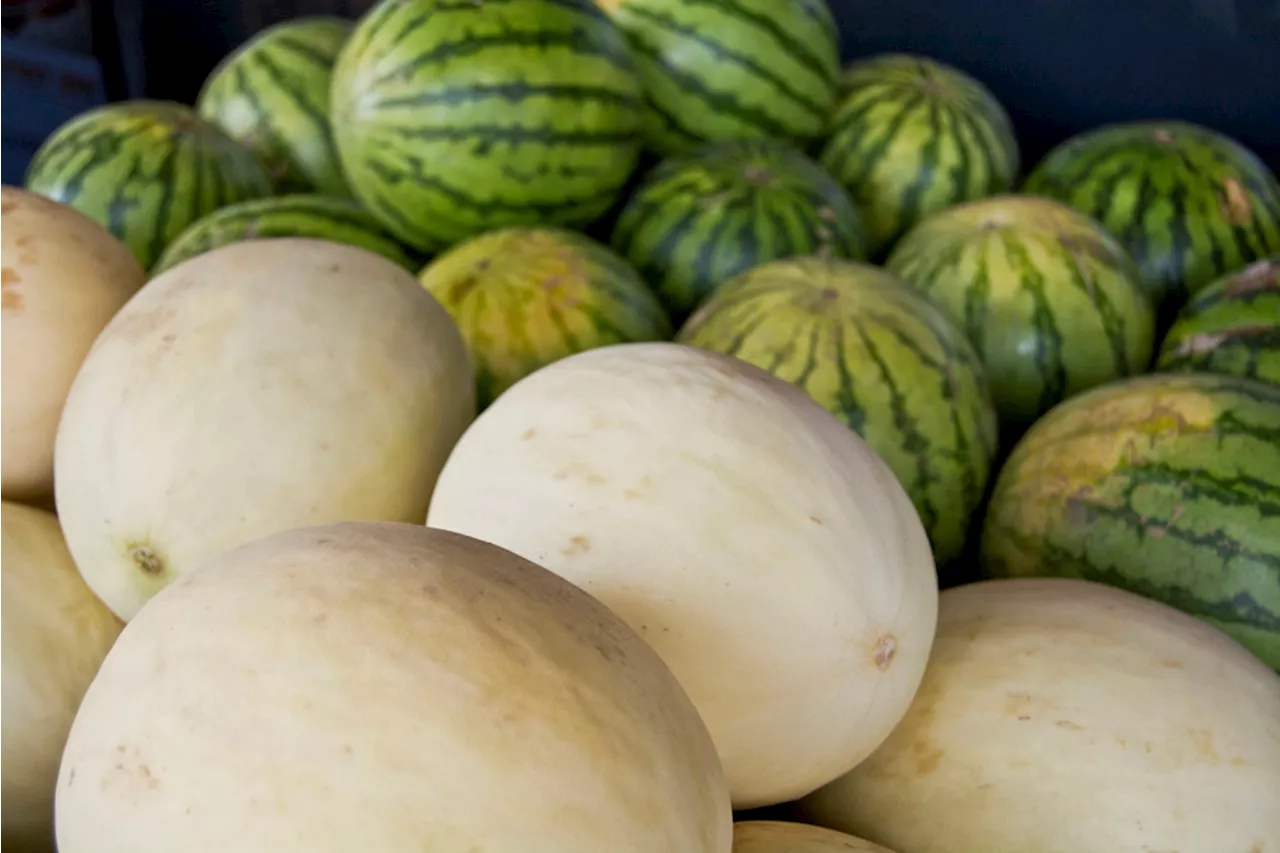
731,69
272,95
341,220
883,359
1231,326
525,297
701,218
145,170
1165,485
453,118
1189,204
911,136
1049,299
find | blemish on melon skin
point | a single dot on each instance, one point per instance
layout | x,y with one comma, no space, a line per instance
885,650
577,545
10,299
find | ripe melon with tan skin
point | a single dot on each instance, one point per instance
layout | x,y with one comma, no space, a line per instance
56,633
1060,716
385,687
63,278
259,387
775,836
757,543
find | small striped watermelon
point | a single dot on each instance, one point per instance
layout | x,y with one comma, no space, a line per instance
911,136
731,69
1167,486
145,170
453,118
1049,299
272,95
883,359
341,220
703,217
1186,202
1232,326
525,297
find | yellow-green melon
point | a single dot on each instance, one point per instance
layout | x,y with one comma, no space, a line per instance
63,277
384,687
1062,716
756,542
259,387
56,633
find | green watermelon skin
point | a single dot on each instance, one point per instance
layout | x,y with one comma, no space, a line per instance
911,136
883,359
701,218
526,297
341,220
454,117
716,70
145,170
1165,485
1049,299
1189,204
1231,326
272,95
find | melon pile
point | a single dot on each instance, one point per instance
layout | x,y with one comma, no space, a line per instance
566,427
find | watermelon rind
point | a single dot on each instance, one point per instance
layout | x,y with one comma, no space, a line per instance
145,170
454,118
1188,203
1231,326
700,218
526,297
1165,485
883,359
340,220
1049,299
715,70
272,95
911,136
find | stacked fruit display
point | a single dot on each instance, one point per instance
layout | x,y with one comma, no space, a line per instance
541,425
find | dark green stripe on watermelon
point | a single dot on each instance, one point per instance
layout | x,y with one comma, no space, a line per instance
1047,297
453,118
1189,204
1232,326
883,359
702,218
272,94
338,219
1167,485
911,136
145,170
728,69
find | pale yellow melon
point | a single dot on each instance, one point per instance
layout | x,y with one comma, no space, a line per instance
1060,716
760,546
385,687
55,635
63,277
775,836
260,387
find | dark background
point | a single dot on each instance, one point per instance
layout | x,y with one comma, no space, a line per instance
1060,66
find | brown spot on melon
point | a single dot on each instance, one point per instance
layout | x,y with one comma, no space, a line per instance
10,299
577,545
